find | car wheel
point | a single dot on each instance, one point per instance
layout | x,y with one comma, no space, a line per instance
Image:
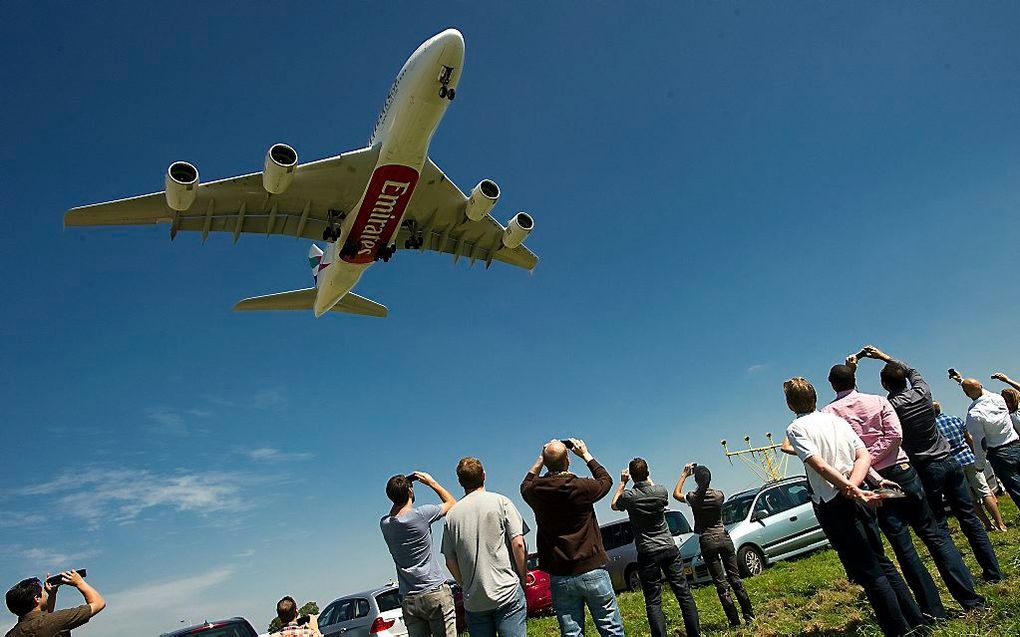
750,561
633,580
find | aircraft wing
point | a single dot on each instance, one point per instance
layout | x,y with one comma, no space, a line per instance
240,204
438,208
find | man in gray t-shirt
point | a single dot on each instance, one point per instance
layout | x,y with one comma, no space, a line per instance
657,553
484,548
427,599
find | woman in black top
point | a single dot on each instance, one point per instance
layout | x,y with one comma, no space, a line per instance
716,545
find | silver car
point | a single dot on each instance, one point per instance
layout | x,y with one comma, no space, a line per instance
771,523
374,613
618,540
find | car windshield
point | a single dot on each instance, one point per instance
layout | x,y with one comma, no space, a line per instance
389,600
735,509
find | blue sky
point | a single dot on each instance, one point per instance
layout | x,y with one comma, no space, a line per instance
725,195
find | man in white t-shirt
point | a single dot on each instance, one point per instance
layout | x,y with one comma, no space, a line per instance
837,462
484,548
988,418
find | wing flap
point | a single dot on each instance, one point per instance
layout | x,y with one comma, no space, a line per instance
351,303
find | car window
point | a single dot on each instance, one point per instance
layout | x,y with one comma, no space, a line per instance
677,523
390,600
736,508
533,562
616,535
773,501
326,616
344,611
797,493
361,608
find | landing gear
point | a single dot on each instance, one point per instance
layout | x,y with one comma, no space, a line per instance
386,253
333,230
444,81
416,238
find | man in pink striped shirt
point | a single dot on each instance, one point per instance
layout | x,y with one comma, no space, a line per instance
875,421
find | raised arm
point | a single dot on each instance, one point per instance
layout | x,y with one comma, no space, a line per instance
445,496
602,482
1006,379
91,595
624,478
678,490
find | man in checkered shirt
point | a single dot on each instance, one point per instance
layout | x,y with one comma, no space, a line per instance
287,611
960,440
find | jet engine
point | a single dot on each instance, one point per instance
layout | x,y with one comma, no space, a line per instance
281,160
181,185
483,197
518,229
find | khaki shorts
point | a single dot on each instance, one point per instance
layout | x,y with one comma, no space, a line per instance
978,483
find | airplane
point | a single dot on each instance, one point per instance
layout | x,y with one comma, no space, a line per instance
362,203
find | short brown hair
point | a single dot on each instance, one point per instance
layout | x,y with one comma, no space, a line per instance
398,489
800,395
638,469
470,473
1012,398
286,609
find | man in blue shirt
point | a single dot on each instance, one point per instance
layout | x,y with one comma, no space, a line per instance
960,440
427,599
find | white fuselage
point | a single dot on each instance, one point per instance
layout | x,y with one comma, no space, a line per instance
409,118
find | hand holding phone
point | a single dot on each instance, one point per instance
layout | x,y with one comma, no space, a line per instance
568,443
58,579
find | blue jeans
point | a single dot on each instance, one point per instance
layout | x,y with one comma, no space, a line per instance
896,517
945,478
594,589
1006,465
506,621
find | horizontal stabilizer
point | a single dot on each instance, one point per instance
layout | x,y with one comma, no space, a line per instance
304,299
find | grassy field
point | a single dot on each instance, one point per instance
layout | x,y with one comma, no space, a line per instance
811,596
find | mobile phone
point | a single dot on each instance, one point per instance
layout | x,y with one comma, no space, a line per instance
411,477
569,444
57,580
953,373
861,354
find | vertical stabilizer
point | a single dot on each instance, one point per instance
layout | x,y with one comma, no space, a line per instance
315,262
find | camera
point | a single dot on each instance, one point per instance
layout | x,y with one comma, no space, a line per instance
569,444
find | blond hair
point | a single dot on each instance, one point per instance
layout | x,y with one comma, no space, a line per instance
800,395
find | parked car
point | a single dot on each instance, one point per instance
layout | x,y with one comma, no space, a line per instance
234,627
773,522
618,540
374,613
536,589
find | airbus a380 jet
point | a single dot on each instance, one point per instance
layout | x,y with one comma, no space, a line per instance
363,203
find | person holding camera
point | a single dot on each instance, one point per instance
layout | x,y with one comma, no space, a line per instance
716,545
657,554
34,602
290,624
569,541
427,599
988,418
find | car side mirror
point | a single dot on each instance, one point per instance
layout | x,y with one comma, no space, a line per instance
759,515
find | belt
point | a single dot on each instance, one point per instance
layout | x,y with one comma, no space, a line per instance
1008,444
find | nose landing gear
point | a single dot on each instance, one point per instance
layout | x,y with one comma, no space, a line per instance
444,81
333,230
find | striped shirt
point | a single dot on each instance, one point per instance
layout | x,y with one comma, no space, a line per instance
952,428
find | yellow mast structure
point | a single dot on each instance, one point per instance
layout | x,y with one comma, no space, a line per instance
767,461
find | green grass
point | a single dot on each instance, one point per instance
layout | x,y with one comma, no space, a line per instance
811,596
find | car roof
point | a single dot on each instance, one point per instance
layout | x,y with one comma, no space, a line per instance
757,490
627,519
207,624
372,592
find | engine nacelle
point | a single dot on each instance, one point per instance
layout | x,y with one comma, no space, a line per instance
278,172
518,229
181,185
483,197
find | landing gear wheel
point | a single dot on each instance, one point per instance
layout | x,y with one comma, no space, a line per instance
442,91
452,93
409,245
327,235
750,561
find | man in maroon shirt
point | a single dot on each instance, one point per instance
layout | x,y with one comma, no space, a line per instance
569,541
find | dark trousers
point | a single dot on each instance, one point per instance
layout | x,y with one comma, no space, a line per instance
652,567
1006,465
854,534
896,517
721,560
944,478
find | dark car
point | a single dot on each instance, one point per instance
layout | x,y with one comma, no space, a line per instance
234,627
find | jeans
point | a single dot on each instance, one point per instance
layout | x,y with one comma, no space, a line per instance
430,614
1006,464
721,560
854,535
506,621
652,567
896,517
594,589
945,478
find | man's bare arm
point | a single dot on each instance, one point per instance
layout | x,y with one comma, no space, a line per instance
445,496
624,477
520,557
787,448
91,595
1006,379
454,568
678,490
